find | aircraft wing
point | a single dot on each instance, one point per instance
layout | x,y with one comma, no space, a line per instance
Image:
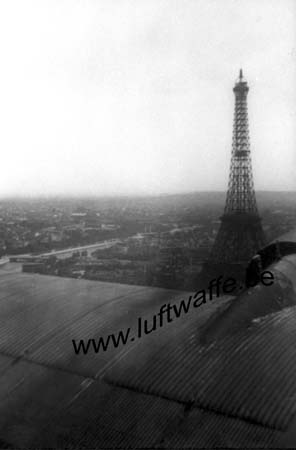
220,375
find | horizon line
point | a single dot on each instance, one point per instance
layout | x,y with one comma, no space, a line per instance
123,195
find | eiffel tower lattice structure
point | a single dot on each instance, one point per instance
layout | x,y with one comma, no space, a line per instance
240,235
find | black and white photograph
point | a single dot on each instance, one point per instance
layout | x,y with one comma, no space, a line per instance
147,224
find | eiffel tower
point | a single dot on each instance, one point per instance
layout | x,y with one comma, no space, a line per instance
240,235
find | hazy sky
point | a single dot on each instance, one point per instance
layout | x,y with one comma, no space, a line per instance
135,96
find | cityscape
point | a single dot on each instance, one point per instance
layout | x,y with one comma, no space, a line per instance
177,241
155,241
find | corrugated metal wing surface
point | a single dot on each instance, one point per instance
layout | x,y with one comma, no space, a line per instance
110,417
203,429
30,395
250,375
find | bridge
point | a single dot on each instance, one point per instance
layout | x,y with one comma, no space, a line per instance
64,253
